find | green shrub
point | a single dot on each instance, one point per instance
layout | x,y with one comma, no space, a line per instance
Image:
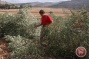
23,48
65,35
20,29
20,24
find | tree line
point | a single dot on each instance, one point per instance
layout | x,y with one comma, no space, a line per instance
14,6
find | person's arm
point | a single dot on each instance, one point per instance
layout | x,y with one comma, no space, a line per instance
39,23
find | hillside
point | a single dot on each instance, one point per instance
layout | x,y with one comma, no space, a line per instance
46,4
39,4
75,4
4,2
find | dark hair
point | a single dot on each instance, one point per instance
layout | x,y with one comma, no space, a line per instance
41,11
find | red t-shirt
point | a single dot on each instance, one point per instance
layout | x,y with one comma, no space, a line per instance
46,20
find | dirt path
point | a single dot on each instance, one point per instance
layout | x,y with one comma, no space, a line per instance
4,50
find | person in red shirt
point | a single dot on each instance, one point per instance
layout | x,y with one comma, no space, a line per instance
45,21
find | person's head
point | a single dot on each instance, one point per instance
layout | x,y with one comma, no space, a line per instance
41,12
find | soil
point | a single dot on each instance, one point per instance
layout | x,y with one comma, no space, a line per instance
4,50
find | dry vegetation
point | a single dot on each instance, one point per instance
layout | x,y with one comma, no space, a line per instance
57,11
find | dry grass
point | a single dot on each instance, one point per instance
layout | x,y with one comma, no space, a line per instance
12,11
57,11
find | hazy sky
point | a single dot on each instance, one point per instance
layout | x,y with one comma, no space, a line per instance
24,1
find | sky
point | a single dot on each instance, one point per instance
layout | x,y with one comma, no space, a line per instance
25,1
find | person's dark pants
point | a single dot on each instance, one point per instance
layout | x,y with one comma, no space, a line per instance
43,35
43,39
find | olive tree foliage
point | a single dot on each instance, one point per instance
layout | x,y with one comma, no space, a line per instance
20,24
65,35
20,30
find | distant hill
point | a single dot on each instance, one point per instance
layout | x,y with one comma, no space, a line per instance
4,2
39,4
75,4
7,5
46,4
